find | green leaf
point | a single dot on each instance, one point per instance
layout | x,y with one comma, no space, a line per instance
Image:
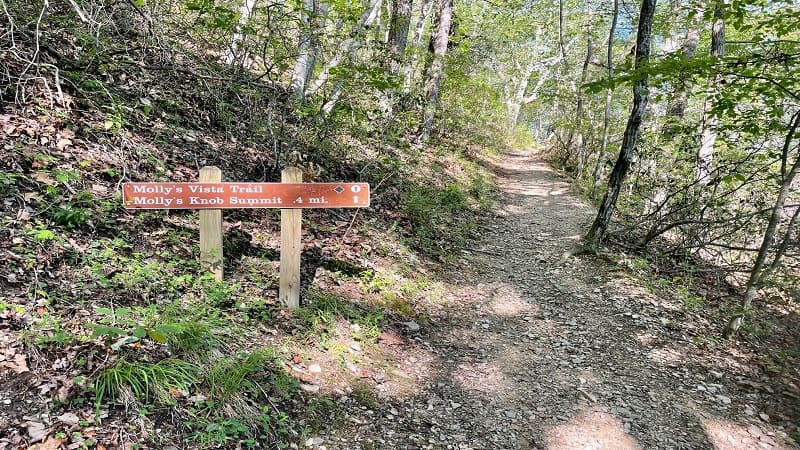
105,330
139,332
157,336
104,311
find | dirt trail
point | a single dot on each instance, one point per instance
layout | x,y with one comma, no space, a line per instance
532,352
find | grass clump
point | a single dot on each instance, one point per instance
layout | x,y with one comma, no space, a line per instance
325,310
441,218
238,373
148,382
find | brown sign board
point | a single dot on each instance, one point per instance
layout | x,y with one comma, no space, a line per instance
244,195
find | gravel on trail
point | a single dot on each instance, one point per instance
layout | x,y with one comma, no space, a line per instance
537,349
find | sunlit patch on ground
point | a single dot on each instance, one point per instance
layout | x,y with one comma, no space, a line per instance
483,378
727,435
511,210
680,355
647,339
592,429
407,370
506,301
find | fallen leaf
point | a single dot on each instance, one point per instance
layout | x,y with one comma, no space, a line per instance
63,143
176,393
45,178
50,444
28,196
67,133
21,364
36,431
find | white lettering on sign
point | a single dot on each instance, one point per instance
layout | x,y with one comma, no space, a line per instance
239,189
256,201
218,195
153,201
156,189
205,201
197,189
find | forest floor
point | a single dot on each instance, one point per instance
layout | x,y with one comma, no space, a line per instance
515,344
532,349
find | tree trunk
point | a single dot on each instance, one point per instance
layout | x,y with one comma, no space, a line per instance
628,148
601,157
398,34
411,69
439,40
677,105
705,154
349,46
514,102
579,113
237,52
758,272
312,22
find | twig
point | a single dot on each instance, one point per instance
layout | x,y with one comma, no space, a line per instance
341,241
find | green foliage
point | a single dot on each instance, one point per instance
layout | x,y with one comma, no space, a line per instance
239,373
325,310
49,332
441,218
147,382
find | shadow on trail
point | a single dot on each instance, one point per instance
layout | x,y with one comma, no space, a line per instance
527,353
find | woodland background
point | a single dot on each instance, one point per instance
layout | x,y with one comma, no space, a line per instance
411,96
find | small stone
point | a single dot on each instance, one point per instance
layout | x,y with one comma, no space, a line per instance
755,431
315,368
69,419
356,347
725,400
411,326
309,388
36,431
764,417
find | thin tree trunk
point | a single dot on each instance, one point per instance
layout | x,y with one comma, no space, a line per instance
349,46
411,69
439,41
628,149
312,22
579,113
514,102
677,105
758,272
237,50
705,154
600,168
398,34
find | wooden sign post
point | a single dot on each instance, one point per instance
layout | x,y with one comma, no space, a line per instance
210,195
211,229
291,246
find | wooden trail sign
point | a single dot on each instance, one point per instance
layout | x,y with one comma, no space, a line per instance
210,195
